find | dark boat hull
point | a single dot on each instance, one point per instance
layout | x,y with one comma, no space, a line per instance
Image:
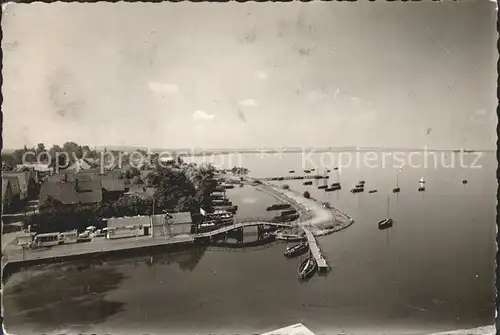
334,188
421,189
322,187
384,224
308,183
278,207
357,190
297,250
372,191
396,190
307,268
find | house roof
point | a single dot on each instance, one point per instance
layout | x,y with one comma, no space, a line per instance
80,164
66,193
5,186
90,185
113,185
85,175
128,221
36,166
22,178
14,183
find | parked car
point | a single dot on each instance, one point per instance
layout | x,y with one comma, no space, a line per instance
84,237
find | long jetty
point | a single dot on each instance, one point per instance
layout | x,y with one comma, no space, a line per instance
315,250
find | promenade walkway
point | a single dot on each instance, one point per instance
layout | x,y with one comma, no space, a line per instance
97,246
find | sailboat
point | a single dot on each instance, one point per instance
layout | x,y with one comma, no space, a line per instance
421,184
397,189
387,222
325,184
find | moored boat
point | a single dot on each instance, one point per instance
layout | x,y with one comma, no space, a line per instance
372,191
290,237
357,190
307,171
291,171
288,212
387,222
278,207
296,250
308,183
333,188
307,268
322,187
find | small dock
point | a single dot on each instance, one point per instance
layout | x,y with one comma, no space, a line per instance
316,251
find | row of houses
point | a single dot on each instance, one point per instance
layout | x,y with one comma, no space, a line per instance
83,186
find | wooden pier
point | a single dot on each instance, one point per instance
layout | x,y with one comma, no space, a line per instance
315,250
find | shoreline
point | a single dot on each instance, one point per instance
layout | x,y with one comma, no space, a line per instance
313,215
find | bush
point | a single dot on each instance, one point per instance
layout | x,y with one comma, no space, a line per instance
307,195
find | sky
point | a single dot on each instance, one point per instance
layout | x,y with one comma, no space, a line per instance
249,75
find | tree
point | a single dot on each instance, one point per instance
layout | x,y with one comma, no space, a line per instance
40,148
136,180
132,172
307,195
73,150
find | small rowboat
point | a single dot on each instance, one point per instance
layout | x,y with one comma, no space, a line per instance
307,268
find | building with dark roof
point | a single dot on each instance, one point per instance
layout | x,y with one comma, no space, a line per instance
26,182
84,192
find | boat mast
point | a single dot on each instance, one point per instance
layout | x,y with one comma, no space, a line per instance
388,199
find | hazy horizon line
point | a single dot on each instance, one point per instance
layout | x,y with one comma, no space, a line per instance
289,149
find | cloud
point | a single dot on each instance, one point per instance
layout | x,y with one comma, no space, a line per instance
249,103
262,75
163,87
201,115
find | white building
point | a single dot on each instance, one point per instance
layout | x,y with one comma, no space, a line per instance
128,227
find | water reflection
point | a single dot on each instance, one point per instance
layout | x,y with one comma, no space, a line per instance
54,299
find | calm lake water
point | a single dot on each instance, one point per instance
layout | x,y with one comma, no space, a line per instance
433,271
